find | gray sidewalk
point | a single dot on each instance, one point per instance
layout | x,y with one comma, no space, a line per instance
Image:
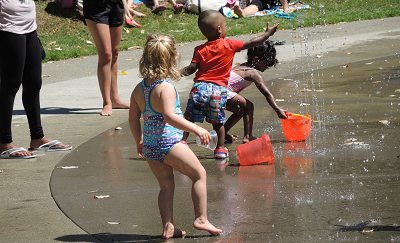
71,102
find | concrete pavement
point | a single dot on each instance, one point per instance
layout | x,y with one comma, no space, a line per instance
71,102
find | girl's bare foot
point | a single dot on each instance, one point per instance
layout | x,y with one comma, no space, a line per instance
8,146
238,11
206,225
171,232
36,143
107,110
247,139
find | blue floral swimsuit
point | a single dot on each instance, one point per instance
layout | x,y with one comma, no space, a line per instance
158,136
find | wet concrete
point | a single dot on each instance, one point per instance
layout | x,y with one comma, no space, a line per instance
317,191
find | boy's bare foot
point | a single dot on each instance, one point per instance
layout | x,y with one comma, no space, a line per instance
171,232
238,11
36,143
248,139
107,110
206,225
8,146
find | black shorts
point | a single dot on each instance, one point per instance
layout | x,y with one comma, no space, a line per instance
266,4
109,12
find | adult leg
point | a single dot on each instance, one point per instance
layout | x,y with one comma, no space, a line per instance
32,83
107,43
12,61
182,158
165,177
116,34
249,10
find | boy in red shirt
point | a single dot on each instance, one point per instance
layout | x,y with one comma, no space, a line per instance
213,62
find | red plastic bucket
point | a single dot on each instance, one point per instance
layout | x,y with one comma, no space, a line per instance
296,127
256,151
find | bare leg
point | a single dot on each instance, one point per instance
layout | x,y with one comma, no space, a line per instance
185,136
165,176
220,129
244,107
233,105
248,121
117,103
249,10
182,158
107,43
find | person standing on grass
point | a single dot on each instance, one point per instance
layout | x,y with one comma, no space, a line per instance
104,19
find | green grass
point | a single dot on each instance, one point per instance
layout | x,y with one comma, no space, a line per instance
64,28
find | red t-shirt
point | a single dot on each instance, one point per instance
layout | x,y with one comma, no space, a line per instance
215,59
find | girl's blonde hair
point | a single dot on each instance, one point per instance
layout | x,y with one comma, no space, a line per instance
159,58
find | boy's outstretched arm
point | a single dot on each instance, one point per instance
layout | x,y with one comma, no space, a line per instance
190,69
256,41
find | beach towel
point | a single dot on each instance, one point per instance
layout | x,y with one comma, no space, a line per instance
277,10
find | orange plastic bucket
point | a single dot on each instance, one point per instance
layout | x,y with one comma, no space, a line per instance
296,127
256,151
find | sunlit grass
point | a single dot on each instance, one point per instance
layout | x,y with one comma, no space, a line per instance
64,28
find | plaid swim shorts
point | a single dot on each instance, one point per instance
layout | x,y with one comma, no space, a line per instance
206,100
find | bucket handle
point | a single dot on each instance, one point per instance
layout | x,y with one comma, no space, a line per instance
300,115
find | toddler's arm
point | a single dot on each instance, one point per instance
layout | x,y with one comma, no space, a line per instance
256,41
134,123
190,69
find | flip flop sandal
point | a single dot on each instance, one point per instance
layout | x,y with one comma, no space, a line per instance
130,23
50,146
221,153
8,154
276,42
178,7
159,8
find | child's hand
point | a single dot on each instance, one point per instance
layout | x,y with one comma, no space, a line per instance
272,30
204,136
281,113
139,148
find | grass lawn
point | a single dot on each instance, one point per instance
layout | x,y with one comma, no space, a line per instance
64,34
